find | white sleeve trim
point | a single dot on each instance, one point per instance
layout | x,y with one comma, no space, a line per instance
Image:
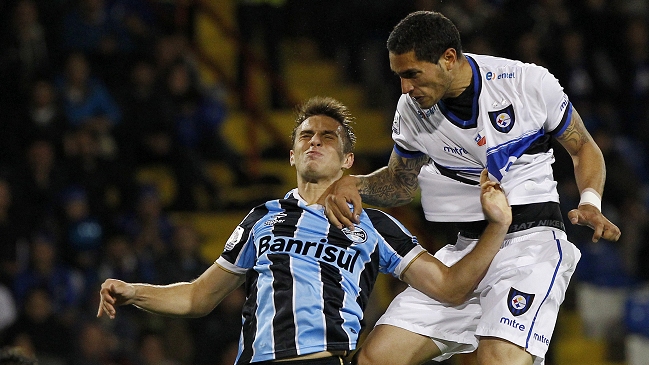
408,259
228,266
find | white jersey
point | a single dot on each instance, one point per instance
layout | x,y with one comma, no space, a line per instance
516,107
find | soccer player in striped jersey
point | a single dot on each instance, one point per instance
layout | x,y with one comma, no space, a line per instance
459,114
307,281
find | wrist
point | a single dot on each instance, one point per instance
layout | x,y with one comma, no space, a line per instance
591,197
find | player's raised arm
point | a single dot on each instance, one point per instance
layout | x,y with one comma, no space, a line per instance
389,186
185,299
453,284
590,175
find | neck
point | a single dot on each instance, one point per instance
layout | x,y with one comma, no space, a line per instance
311,191
462,78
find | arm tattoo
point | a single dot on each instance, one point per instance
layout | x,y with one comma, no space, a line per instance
394,184
575,136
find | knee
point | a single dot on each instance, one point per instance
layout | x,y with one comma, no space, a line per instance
496,352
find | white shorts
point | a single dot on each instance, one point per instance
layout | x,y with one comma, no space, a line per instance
517,300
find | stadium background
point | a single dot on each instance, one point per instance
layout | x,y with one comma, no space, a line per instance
135,134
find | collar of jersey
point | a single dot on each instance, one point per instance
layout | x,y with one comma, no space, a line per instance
299,198
477,86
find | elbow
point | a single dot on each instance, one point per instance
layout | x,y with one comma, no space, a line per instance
457,299
453,297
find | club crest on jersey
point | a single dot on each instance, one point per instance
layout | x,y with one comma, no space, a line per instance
519,302
503,120
396,123
356,236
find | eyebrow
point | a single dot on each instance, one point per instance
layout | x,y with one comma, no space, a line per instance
409,73
325,132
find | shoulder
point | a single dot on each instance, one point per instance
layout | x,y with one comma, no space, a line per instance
499,65
384,222
258,212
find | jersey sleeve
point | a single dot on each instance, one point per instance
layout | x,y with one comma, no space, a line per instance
398,248
557,104
239,253
402,130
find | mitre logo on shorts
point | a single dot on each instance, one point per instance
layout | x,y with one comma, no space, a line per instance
519,302
503,120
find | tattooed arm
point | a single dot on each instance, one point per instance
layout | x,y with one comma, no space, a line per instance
389,186
590,173
392,185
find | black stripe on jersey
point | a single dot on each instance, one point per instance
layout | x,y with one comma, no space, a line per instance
399,240
454,175
249,311
540,145
405,153
248,222
284,319
562,125
287,226
333,297
367,280
337,238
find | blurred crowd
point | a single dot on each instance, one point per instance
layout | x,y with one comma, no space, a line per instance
92,91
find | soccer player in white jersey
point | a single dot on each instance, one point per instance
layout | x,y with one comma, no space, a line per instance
307,281
461,113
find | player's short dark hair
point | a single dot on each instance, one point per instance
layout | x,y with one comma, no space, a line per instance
329,107
428,33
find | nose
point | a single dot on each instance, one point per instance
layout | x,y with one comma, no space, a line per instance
315,140
406,86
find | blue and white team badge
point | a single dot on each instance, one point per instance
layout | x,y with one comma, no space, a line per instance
356,236
503,120
519,302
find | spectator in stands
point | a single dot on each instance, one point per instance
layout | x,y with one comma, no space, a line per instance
12,231
25,50
91,27
42,117
48,272
42,179
148,225
109,185
39,323
87,103
264,20
147,138
184,261
153,350
121,260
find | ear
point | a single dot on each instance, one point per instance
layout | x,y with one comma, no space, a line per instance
291,158
348,161
449,57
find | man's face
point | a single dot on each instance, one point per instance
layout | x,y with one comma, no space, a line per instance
317,152
424,81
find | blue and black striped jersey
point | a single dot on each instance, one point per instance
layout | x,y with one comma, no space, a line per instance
307,281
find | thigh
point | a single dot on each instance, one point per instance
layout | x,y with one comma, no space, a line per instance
395,346
494,351
523,290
